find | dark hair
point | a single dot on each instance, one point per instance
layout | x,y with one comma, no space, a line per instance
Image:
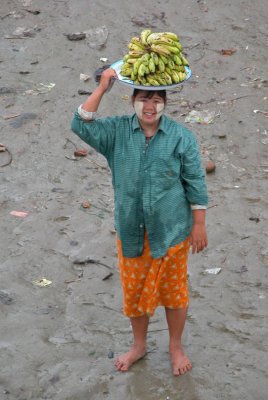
150,93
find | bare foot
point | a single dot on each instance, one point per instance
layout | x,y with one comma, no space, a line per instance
124,362
180,363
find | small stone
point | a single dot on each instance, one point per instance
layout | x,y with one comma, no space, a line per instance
210,167
111,354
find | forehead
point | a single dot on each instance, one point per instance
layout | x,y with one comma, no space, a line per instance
144,94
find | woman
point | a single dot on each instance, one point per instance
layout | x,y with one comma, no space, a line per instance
160,205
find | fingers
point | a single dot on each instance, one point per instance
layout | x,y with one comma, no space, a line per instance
198,245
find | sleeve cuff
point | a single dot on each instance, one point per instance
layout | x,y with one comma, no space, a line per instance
86,115
198,207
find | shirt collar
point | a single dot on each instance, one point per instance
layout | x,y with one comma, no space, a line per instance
162,126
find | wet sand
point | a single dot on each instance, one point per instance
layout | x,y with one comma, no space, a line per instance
55,341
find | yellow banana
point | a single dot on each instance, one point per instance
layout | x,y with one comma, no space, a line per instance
182,76
135,47
143,81
160,79
132,60
175,76
135,53
162,40
160,49
137,42
144,35
167,78
181,68
170,35
152,37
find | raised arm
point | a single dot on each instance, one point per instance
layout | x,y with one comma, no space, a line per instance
93,101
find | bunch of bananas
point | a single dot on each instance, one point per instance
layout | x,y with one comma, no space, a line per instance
154,59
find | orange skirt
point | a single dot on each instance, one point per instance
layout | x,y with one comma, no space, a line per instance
148,283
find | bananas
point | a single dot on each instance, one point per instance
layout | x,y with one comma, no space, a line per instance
154,59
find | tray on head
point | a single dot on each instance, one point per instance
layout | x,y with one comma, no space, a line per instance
117,67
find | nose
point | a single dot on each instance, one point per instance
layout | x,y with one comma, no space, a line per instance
149,105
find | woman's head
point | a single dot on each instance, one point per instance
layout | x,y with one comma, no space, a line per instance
150,93
149,104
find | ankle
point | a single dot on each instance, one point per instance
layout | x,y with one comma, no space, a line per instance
175,344
140,346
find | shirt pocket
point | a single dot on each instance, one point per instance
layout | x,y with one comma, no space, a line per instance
165,174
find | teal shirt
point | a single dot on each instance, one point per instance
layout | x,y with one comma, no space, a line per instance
154,183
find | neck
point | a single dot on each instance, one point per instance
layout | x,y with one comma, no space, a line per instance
149,130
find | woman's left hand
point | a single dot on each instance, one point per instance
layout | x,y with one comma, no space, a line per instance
198,237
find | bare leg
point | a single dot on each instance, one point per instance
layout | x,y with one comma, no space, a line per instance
138,350
176,321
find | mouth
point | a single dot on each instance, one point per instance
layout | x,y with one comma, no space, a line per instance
149,114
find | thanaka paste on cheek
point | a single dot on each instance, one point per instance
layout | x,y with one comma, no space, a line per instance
138,107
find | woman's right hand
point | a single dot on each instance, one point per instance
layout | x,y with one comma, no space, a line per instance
106,79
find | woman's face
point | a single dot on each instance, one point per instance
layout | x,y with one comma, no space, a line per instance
148,110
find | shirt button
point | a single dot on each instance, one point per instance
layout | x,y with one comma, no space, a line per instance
146,170
141,225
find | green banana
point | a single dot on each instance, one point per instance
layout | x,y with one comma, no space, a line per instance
144,35
184,60
171,64
142,70
152,81
155,57
177,59
125,65
161,65
145,58
163,58
173,49
137,65
133,76
169,71
126,72
151,65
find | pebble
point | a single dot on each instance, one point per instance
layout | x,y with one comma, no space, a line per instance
210,167
111,354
